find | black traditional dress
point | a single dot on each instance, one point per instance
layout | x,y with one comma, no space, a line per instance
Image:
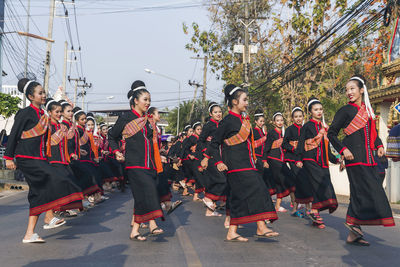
273,154
191,166
173,156
47,189
249,199
88,162
83,173
215,181
368,202
259,138
105,164
140,167
59,159
313,150
303,192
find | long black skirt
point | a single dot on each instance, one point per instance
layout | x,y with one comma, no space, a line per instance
321,186
65,171
48,189
368,202
215,182
163,188
199,177
143,184
249,200
83,171
283,178
303,191
267,176
107,172
116,168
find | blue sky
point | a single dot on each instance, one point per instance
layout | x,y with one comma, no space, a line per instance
117,47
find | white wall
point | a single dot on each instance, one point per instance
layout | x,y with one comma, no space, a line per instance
339,180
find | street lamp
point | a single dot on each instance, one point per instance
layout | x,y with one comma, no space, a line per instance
179,93
107,98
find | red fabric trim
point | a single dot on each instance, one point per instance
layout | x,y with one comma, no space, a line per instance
148,216
275,159
272,191
137,167
235,114
59,162
91,190
216,163
70,206
116,150
241,170
325,167
137,114
387,222
361,163
29,157
199,190
332,204
341,151
55,204
283,194
214,121
207,156
255,218
9,158
379,146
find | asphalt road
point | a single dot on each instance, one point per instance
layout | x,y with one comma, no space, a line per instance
100,238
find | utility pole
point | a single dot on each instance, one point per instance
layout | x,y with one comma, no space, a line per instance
196,86
1,41
27,47
205,58
246,58
77,80
64,85
48,50
83,92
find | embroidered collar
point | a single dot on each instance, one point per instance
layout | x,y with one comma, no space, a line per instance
316,122
39,111
235,114
355,105
137,114
297,126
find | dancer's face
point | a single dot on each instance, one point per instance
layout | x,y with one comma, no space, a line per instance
68,113
39,96
90,125
279,121
298,117
189,132
317,111
198,130
82,120
104,130
216,113
260,122
55,114
142,103
353,92
241,103
156,116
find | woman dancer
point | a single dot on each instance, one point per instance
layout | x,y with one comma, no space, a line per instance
303,194
163,187
249,199
260,136
59,156
142,159
314,156
274,158
88,156
215,181
368,202
28,144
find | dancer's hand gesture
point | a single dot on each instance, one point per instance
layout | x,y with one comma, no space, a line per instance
347,154
10,164
222,167
381,152
204,163
266,165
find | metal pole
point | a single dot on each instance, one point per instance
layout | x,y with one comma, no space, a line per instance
204,87
1,41
27,47
246,44
48,50
76,92
64,86
179,107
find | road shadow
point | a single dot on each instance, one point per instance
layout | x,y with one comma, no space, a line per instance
109,256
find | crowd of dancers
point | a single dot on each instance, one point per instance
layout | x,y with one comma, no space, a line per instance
227,164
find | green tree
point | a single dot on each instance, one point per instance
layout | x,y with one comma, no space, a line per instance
8,105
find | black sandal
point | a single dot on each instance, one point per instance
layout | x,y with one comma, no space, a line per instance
136,238
352,229
152,232
356,242
314,218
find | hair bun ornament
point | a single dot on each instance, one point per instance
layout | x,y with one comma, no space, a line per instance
259,113
296,109
211,105
195,124
229,90
276,114
48,102
312,101
77,110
